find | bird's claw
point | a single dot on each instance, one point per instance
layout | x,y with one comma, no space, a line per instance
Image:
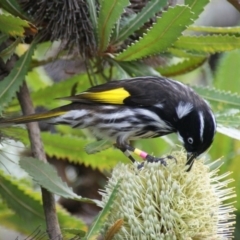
152,159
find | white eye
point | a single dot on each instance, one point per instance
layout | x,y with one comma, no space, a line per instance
190,140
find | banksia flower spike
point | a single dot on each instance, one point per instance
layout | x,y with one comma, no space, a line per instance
158,202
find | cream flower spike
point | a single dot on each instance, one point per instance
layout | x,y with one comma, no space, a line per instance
169,203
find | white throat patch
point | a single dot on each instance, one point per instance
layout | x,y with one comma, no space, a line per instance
201,125
183,109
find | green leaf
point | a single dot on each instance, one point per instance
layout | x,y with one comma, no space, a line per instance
181,53
46,176
229,120
97,146
225,73
74,231
93,14
162,35
8,52
151,8
24,204
196,6
217,30
229,131
70,148
45,97
136,69
101,218
10,84
183,67
208,44
27,204
12,6
13,26
110,12
218,96
3,38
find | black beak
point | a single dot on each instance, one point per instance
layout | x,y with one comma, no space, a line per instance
190,160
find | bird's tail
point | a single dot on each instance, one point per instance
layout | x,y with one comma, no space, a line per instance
31,118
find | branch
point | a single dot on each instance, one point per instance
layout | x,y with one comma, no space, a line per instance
25,101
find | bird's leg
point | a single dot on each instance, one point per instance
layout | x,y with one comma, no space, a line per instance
126,148
126,152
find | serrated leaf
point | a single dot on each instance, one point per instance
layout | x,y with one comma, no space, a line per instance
229,131
3,37
10,84
110,12
181,53
46,176
136,69
45,97
222,97
93,14
13,26
25,205
208,44
228,62
97,146
182,67
8,52
99,222
219,30
75,231
151,8
12,6
196,6
162,35
232,121
70,148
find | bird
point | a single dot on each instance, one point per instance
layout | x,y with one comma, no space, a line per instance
136,108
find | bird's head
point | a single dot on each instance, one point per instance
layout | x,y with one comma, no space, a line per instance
196,130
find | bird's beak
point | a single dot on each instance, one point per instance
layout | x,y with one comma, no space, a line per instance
190,160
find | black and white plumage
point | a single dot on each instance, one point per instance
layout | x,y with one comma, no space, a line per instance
143,107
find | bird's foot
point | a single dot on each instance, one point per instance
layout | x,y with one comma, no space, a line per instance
152,159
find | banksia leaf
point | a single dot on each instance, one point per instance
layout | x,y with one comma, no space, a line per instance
13,26
216,30
46,176
110,12
218,97
196,6
10,84
208,44
162,35
151,8
12,6
185,66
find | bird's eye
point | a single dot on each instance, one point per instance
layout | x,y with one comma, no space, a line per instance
190,140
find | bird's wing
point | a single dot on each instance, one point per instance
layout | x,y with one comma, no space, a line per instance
134,92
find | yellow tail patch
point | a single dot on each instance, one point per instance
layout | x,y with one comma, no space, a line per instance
114,96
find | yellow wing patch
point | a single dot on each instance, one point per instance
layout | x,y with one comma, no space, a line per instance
113,96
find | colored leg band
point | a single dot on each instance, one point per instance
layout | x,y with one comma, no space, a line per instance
140,153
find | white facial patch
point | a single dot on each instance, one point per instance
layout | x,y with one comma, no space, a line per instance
201,125
183,109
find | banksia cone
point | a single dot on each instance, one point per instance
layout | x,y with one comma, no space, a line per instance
158,202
